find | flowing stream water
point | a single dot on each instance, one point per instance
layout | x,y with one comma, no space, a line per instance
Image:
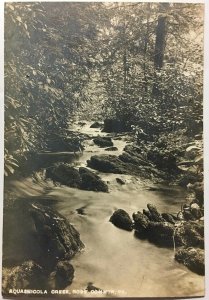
114,259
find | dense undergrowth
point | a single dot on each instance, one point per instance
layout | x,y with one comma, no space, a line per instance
140,64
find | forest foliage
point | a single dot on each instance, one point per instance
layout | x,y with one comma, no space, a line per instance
141,63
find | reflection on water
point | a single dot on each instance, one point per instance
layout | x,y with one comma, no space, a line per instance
114,259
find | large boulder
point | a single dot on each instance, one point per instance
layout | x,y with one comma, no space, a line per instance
38,244
92,182
120,165
103,141
192,258
82,179
36,232
107,164
64,174
121,219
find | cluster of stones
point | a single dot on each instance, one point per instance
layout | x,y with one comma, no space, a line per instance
167,230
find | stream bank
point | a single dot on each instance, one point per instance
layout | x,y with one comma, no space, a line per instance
109,252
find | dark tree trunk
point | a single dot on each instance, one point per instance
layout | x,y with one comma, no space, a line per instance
124,71
146,41
160,44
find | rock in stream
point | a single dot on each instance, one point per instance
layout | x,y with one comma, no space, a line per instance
37,241
121,219
166,230
83,178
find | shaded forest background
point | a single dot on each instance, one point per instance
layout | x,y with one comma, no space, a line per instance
138,63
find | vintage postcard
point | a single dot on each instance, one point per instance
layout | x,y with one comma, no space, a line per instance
103,189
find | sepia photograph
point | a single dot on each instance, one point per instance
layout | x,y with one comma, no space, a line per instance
103,150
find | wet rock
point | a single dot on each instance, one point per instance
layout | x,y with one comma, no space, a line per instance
124,164
156,216
192,258
107,164
62,276
58,238
29,275
38,233
114,125
111,149
96,125
141,222
191,234
166,231
120,181
121,219
64,174
112,164
81,210
147,214
92,182
83,179
168,218
103,141
161,233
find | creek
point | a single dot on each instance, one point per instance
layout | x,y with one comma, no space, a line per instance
114,259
